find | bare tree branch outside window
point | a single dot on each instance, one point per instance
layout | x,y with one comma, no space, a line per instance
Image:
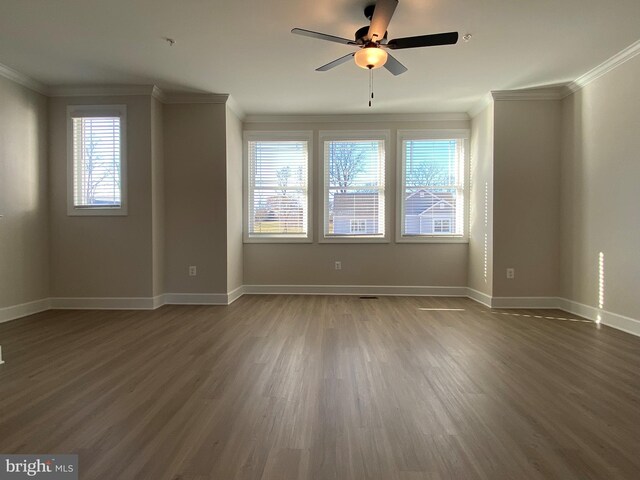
346,162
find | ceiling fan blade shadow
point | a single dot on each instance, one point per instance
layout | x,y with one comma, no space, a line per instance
322,36
335,63
382,14
394,66
433,40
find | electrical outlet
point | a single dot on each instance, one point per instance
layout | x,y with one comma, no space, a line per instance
338,265
511,273
193,271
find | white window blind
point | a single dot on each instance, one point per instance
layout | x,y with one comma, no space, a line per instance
96,163
354,188
433,188
278,204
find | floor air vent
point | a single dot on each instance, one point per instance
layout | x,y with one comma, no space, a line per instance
368,298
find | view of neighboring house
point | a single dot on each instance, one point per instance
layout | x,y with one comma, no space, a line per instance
355,213
279,213
428,212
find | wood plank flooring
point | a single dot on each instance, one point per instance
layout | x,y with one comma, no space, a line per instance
320,387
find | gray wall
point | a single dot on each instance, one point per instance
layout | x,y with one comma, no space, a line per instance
561,181
108,256
392,264
157,195
600,193
526,200
24,228
480,276
195,198
234,201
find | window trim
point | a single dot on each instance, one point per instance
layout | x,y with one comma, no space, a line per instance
342,135
267,136
431,134
98,111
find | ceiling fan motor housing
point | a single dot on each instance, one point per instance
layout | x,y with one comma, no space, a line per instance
361,35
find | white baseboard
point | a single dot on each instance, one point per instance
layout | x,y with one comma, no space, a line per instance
103,303
524,302
195,299
620,322
479,297
235,294
614,320
355,290
24,309
117,303
158,301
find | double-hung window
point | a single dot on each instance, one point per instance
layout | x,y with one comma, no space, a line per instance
277,180
354,186
96,160
432,197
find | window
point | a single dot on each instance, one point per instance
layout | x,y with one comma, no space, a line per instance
277,186
354,185
441,225
358,226
432,196
96,160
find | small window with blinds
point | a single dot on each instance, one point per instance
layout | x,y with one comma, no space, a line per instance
433,195
277,186
354,186
96,161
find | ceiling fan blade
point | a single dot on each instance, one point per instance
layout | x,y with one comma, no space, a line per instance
394,66
322,36
335,63
423,41
382,14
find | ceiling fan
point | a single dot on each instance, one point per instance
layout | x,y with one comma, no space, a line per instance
372,40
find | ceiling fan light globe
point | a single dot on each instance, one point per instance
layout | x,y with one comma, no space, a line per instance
370,57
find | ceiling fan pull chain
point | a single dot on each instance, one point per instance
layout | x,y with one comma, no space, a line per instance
370,87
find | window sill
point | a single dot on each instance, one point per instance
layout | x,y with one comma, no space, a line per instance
431,239
97,212
277,240
347,239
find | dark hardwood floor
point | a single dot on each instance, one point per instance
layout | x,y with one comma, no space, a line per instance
319,387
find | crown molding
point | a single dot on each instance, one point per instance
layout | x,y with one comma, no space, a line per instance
143,90
605,67
547,93
358,118
235,107
555,92
24,80
101,90
483,103
158,94
175,98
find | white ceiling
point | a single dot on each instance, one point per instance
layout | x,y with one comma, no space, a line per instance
245,48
